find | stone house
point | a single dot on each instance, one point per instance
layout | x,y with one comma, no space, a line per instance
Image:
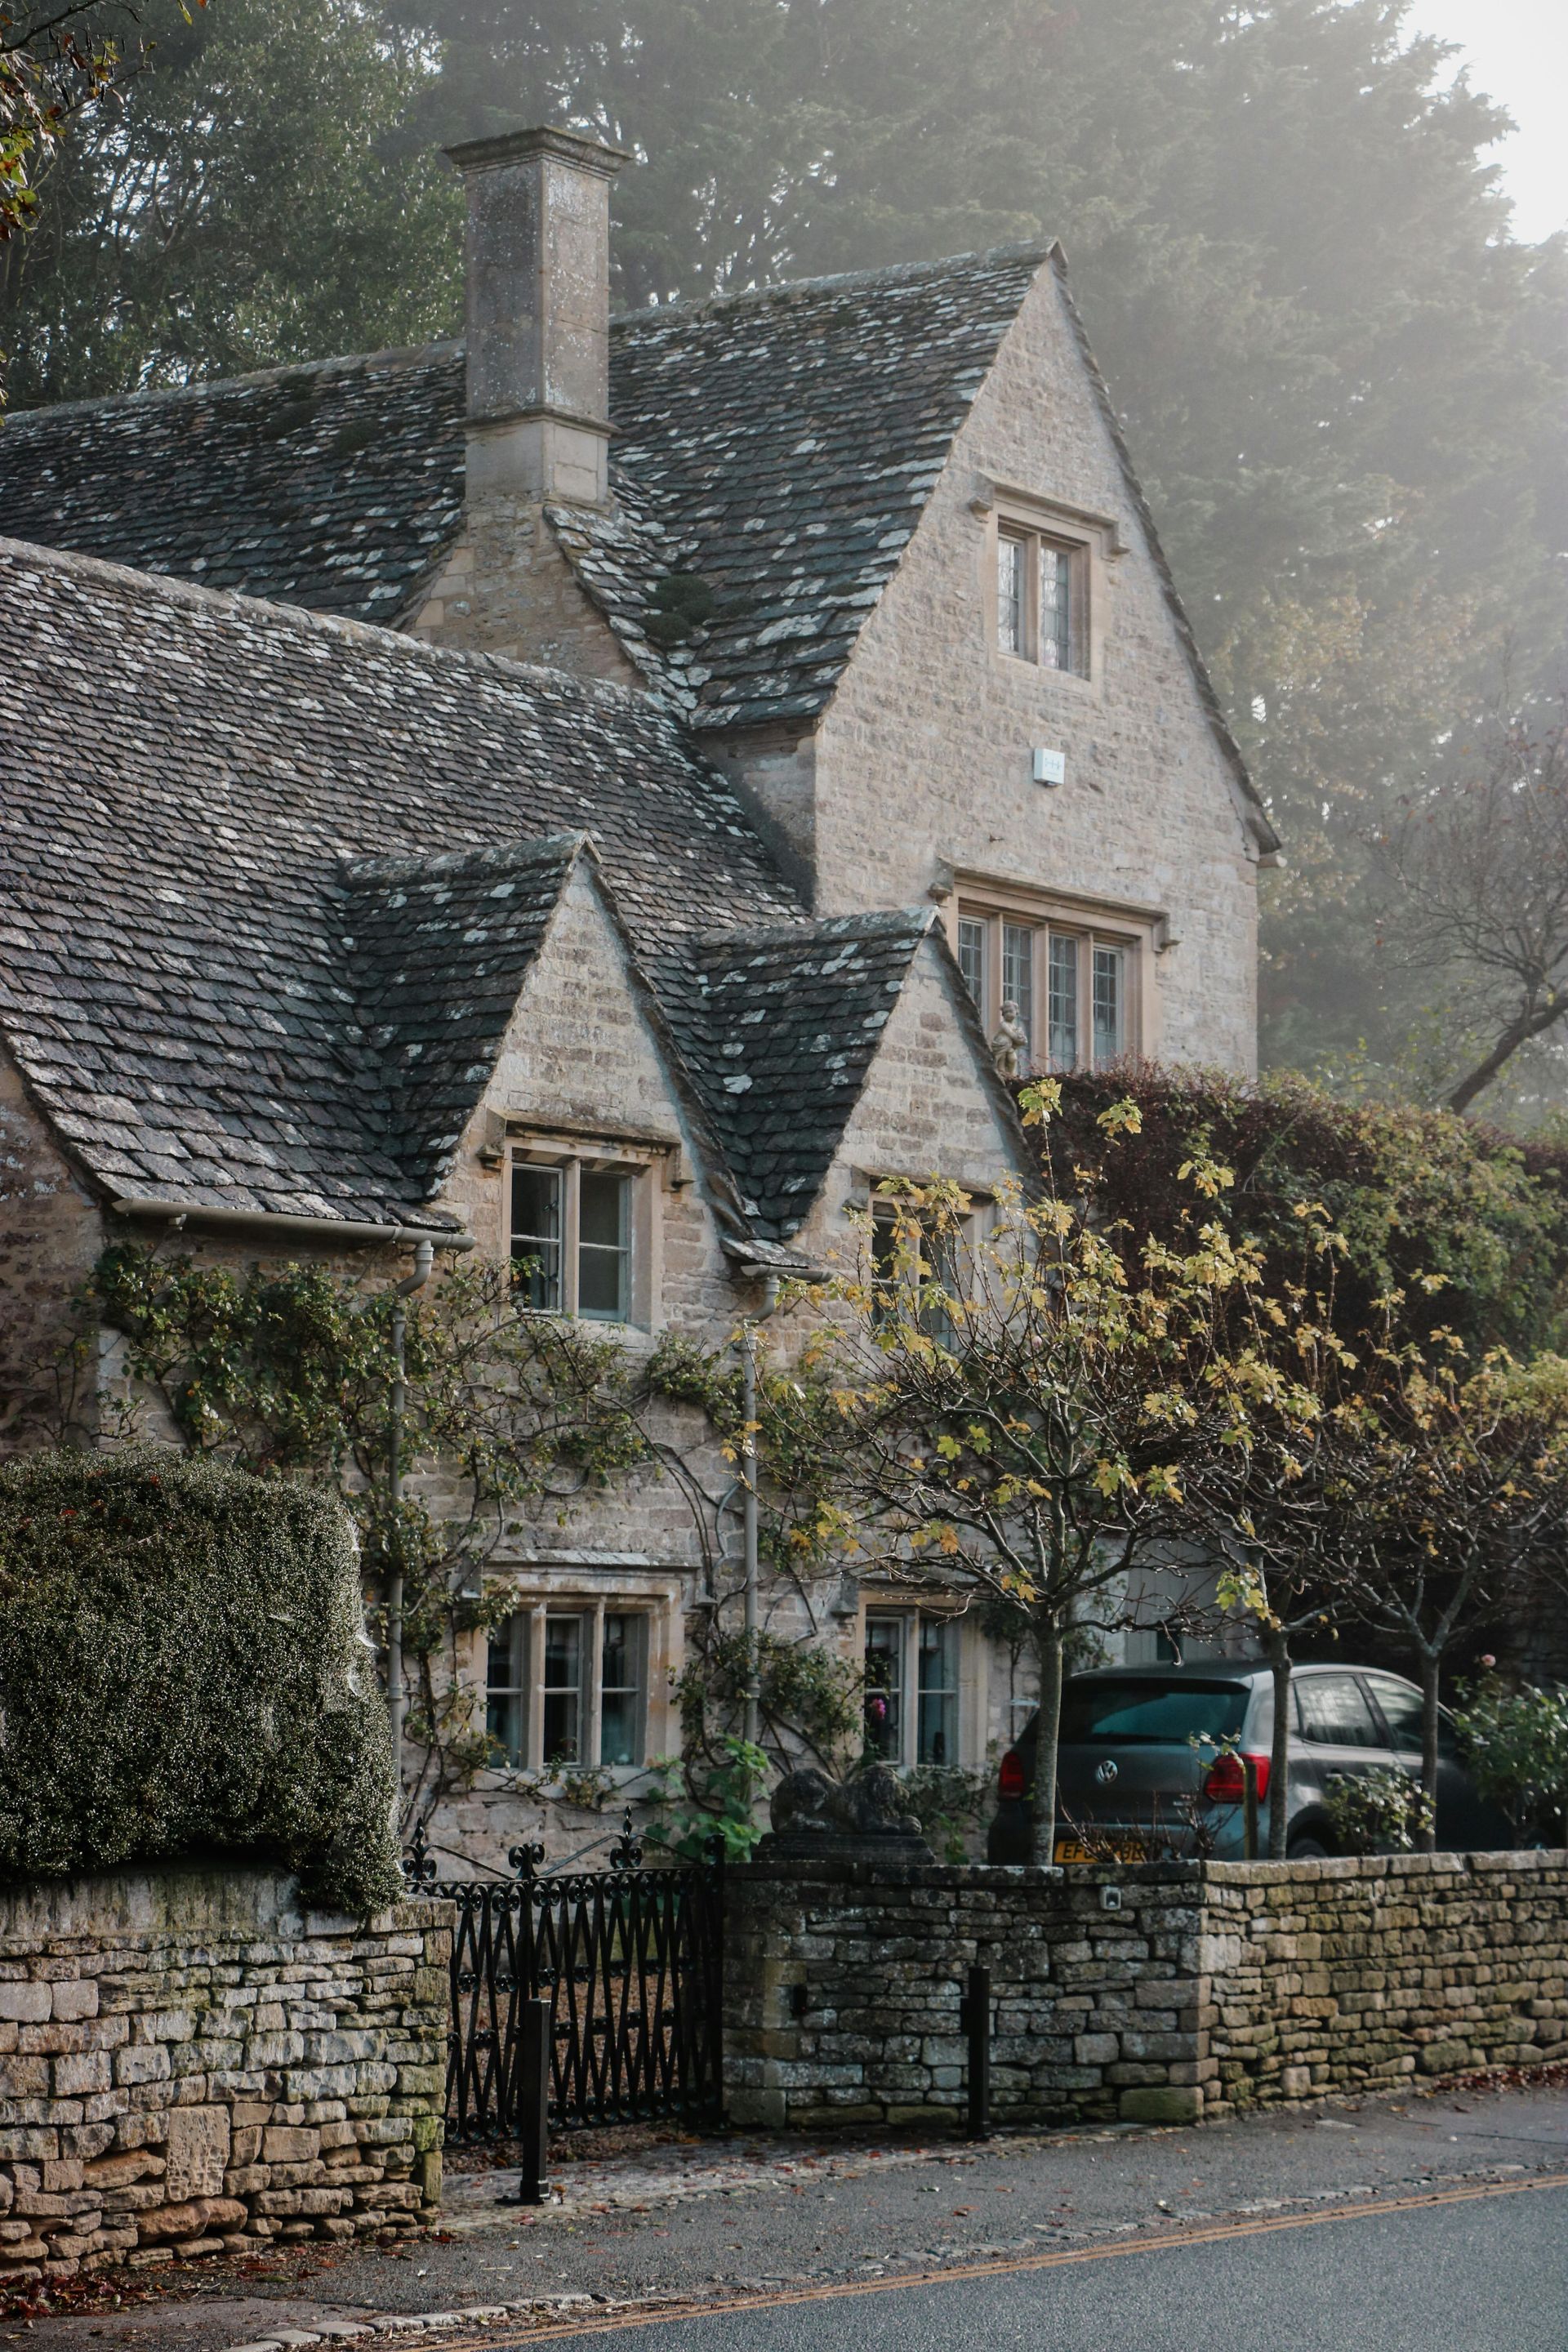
586,794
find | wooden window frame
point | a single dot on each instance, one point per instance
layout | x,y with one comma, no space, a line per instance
526,1629
1092,541
569,1164
968,1699
1141,934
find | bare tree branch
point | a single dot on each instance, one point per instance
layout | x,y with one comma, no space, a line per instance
1476,871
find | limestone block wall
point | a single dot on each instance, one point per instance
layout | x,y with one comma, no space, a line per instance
1357,1974
1172,1992
190,2062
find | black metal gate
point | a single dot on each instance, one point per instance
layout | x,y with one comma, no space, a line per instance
630,1961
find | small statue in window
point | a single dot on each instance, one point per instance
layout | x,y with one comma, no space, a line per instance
1010,1045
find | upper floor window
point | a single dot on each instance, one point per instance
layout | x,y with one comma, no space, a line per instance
911,1252
1073,988
1042,599
572,1229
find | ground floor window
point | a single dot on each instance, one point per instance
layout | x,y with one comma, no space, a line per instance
568,1685
911,1668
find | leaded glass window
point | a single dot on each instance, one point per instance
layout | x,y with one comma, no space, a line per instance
1110,1004
937,1725
621,1689
972,958
536,1207
1018,974
506,1695
1063,1001
1012,594
884,1687
1057,568
563,1692
604,1246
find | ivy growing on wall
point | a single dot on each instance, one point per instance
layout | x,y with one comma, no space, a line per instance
183,1671
514,1417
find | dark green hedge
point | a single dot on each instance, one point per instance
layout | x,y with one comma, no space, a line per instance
184,1674
1413,1193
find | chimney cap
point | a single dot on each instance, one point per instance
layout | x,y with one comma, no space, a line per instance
516,146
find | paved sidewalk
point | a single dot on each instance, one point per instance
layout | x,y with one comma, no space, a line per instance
716,2220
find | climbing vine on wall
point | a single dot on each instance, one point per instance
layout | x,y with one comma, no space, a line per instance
511,1420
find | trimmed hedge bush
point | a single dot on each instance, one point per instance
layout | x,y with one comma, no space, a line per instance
1413,1193
184,1674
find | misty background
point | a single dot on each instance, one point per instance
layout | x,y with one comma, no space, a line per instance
1342,363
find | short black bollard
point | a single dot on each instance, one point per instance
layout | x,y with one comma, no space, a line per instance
533,2097
975,2016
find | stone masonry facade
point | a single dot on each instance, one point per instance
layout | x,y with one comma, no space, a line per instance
1169,1993
189,2064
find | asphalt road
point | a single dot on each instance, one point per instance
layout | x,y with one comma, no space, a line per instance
1485,2272
1058,2234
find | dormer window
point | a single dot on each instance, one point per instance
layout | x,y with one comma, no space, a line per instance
1042,599
572,1239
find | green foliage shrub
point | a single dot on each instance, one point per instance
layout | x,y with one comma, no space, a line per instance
1515,1743
1376,1812
1413,1194
184,1674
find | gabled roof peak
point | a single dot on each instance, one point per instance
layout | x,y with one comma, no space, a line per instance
786,291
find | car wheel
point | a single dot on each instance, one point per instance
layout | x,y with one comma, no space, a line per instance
1309,1846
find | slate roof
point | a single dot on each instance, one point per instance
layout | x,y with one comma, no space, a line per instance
436,949
784,444
209,995
782,1023
779,1026
337,486
780,446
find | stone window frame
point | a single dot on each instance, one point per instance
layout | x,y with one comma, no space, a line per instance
1094,543
1143,932
656,1600
651,1166
907,1610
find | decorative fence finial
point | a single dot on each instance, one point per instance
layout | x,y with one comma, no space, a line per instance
525,1859
419,1863
627,1854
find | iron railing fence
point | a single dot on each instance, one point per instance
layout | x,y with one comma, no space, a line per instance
631,1961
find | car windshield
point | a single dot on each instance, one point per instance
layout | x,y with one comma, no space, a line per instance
1145,1711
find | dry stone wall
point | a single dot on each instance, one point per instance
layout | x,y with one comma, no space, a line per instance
1170,1994
189,2064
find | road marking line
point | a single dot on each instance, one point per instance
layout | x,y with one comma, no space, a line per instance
608,2323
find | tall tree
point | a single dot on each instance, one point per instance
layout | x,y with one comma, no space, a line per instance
251,201
1475,869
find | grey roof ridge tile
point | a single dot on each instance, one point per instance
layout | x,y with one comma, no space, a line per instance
848,281
871,922
502,857
308,622
395,355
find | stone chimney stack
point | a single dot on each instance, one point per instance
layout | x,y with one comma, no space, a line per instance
538,255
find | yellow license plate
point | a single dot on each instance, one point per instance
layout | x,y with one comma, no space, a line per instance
1127,1850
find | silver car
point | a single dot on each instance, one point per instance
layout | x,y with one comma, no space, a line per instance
1150,1762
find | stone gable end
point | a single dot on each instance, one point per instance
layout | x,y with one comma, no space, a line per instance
933,720
927,1107
581,1056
